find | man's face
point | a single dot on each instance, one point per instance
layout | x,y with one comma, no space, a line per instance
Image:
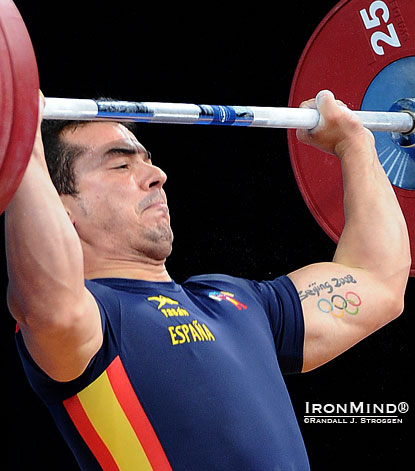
121,207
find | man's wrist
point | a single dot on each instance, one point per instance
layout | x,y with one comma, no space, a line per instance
357,146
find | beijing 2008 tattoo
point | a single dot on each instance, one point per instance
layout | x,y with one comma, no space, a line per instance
337,305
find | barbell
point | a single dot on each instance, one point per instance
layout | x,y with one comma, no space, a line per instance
373,37
400,122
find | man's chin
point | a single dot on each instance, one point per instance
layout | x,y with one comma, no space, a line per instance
159,243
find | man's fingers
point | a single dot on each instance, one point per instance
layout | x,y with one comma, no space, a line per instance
314,103
322,96
41,102
309,104
40,111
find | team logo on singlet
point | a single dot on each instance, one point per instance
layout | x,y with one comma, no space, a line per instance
226,296
164,305
162,300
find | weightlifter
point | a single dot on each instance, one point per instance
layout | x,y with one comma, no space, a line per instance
142,373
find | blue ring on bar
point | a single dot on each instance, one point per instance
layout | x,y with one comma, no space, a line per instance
404,140
225,115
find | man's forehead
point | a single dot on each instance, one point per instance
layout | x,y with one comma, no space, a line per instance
98,135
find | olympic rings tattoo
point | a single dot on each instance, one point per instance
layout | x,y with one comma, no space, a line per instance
341,304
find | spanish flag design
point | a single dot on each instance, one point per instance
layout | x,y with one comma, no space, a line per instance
109,417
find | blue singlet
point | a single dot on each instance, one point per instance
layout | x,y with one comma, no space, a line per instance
189,378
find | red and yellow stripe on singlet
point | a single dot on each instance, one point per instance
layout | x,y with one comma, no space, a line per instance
112,422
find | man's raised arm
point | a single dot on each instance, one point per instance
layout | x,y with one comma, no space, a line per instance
364,287
58,317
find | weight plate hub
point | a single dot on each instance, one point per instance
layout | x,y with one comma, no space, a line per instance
364,52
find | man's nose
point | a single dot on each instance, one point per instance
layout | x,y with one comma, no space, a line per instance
152,177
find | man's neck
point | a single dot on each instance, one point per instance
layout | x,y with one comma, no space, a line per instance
154,271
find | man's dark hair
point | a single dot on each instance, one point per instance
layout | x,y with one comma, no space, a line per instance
61,156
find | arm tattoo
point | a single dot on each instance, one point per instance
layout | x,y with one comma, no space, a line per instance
336,305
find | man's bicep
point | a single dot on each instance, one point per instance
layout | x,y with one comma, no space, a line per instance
341,306
63,348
